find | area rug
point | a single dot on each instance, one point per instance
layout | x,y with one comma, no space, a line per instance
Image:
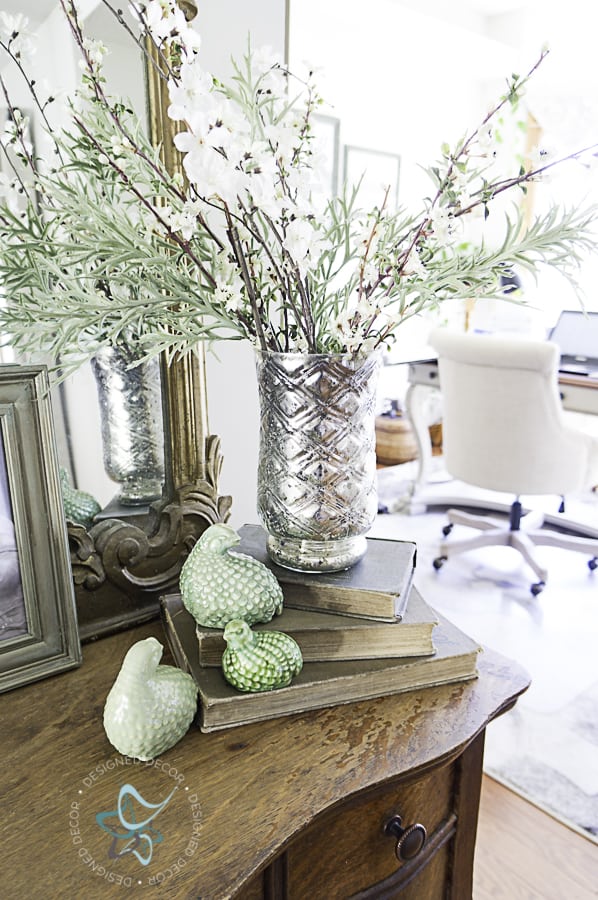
546,747
551,759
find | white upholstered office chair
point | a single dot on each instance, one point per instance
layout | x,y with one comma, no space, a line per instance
504,430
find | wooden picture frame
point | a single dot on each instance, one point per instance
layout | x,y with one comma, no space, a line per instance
377,170
38,623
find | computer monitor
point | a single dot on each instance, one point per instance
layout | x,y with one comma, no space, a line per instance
576,334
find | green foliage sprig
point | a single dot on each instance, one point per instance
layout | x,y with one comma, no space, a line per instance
104,245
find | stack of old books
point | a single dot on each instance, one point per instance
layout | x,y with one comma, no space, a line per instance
363,633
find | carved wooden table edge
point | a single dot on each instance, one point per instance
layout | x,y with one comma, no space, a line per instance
299,767
492,664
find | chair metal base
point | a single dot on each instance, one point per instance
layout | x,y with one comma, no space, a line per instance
524,538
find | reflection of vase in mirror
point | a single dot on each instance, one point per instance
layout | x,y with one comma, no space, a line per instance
131,422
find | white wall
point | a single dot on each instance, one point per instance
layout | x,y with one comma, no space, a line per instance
226,25
399,79
406,75
563,97
232,389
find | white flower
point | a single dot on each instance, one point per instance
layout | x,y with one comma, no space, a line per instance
354,343
10,193
16,132
368,345
183,220
96,51
413,264
301,241
261,181
368,234
370,272
14,30
228,296
539,157
119,145
268,72
367,307
193,84
12,24
342,324
163,17
283,138
486,141
441,223
461,185
209,171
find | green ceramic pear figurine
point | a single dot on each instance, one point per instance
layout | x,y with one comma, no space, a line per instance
149,707
217,585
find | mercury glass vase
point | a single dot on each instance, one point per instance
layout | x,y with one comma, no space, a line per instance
131,423
317,460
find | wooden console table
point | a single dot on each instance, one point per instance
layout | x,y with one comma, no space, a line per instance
294,807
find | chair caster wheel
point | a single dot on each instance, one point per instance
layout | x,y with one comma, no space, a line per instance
593,564
538,587
447,529
439,562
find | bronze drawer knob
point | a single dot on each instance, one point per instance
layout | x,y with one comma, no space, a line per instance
410,840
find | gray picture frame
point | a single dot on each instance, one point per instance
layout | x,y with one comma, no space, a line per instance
37,597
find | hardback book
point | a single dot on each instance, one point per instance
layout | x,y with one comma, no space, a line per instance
377,587
319,684
326,636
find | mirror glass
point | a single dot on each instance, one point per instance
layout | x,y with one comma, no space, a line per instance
12,610
85,430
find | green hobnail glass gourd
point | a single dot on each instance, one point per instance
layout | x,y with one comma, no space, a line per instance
259,660
218,585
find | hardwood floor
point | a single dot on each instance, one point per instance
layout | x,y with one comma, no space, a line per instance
524,854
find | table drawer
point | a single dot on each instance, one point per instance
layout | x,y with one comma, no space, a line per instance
346,853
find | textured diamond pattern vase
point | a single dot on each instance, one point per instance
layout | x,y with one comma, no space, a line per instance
317,463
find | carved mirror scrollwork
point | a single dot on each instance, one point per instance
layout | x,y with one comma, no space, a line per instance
122,565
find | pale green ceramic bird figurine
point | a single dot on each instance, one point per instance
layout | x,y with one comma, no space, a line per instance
149,707
79,506
259,660
217,585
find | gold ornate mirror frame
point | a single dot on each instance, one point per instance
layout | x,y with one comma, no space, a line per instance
122,565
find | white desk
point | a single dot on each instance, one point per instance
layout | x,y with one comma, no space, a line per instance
579,393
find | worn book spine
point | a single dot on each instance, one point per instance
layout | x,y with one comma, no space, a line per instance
377,587
326,636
